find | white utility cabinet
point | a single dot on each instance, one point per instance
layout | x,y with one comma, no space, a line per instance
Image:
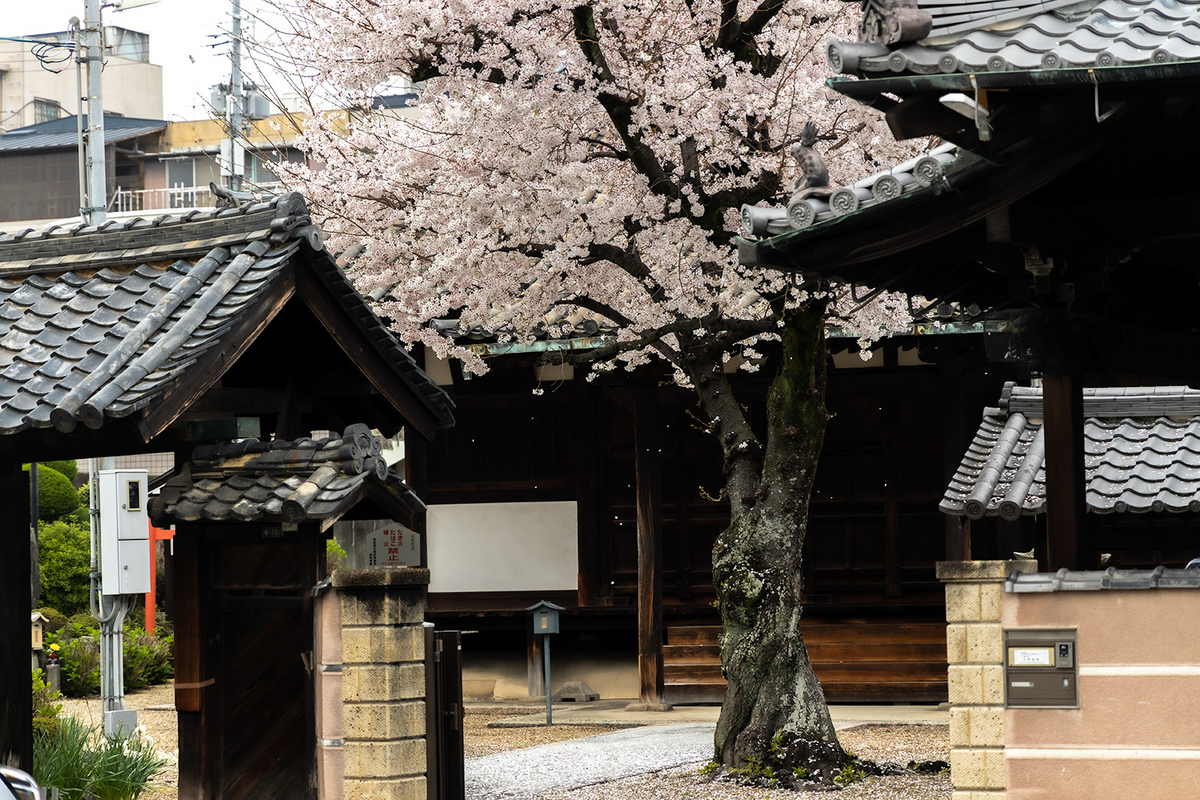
124,532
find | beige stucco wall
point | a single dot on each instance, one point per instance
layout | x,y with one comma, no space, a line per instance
131,88
1136,733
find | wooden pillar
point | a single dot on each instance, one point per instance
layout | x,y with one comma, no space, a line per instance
589,465
1062,414
416,475
957,431
16,700
194,685
650,545
535,667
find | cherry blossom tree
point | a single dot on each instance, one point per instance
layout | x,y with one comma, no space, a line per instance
592,159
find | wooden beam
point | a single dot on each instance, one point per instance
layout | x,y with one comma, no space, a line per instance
200,377
1062,413
648,469
16,702
378,369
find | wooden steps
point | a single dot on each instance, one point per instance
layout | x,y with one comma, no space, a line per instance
856,662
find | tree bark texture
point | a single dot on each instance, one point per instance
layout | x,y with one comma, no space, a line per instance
774,714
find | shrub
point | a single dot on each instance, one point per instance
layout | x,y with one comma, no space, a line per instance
56,496
69,469
55,619
64,564
81,624
335,555
79,660
82,763
148,659
124,765
45,709
64,760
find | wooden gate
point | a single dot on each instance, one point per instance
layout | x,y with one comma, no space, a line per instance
264,696
444,779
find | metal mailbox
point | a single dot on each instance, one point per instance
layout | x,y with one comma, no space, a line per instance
545,617
1040,669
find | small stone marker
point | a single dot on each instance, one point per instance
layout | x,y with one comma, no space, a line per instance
576,692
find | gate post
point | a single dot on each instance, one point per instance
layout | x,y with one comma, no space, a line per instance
975,652
383,682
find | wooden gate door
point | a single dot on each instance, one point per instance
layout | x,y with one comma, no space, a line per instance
265,699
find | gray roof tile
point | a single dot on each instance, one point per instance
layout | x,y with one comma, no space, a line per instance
72,298
1111,579
1011,36
1142,454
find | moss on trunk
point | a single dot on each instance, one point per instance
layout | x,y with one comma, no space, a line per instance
774,718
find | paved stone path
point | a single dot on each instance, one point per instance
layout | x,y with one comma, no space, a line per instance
562,766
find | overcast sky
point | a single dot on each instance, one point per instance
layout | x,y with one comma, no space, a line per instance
182,33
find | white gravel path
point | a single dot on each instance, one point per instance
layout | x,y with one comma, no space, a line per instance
562,766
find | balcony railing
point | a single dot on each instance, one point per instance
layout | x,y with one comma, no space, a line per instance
125,201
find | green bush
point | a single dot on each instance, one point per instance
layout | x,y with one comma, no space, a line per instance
45,709
79,661
148,659
64,562
55,619
81,624
64,760
57,497
69,469
84,764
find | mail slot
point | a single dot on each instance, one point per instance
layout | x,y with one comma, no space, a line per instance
1040,669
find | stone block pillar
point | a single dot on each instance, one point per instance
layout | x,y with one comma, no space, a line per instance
975,652
383,682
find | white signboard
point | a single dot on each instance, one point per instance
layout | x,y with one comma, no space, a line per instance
371,544
393,546
1030,656
503,547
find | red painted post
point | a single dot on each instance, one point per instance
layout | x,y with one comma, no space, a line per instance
156,535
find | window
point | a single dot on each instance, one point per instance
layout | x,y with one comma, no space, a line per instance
46,110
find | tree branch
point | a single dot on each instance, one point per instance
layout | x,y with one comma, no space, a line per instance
618,108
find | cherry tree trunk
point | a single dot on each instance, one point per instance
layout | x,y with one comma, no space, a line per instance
774,714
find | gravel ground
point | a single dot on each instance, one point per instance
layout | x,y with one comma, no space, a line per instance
896,743
480,740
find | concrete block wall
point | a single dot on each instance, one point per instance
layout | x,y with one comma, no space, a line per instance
371,715
975,652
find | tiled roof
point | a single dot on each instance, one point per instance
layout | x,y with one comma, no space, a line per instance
63,133
1095,580
916,176
1142,453
969,37
279,480
96,324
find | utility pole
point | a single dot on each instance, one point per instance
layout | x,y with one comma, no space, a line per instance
95,210
237,158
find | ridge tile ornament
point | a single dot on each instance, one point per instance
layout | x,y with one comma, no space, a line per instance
816,202
892,21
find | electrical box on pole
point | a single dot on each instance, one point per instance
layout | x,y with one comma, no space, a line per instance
124,532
